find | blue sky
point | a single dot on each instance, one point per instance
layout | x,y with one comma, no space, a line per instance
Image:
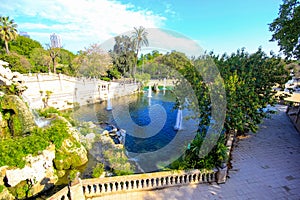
221,26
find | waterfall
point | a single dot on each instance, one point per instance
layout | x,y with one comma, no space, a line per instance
39,121
149,91
178,125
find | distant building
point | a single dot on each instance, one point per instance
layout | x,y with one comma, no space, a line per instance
55,41
25,34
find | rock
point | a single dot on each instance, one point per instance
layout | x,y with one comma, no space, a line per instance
21,120
37,175
2,174
8,78
71,153
60,173
5,195
90,136
105,132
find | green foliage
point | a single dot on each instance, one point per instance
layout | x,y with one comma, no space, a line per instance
57,132
118,161
249,81
12,89
139,37
123,56
286,28
114,73
41,60
98,170
8,31
72,174
13,151
17,63
2,188
24,46
93,62
23,190
143,78
105,79
192,160
48,112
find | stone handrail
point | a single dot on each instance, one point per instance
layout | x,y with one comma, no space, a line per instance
148,181
138,182
62,194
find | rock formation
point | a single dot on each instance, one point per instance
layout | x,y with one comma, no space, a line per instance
18,118
41,171
38,175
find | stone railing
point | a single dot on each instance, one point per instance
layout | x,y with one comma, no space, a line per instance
62,194
138,182
148,181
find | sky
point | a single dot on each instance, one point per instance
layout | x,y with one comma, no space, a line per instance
222,26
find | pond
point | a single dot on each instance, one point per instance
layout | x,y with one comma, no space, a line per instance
151,139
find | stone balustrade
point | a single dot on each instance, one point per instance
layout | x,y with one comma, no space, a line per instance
138,182
63,194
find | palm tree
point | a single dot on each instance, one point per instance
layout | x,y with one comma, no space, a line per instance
139,36
8,31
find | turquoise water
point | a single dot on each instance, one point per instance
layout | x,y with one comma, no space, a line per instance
139,112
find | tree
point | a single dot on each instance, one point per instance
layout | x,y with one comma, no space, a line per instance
286,28
249,81
17,63
8,31
41,60
94,61
54,53
139,36
123,54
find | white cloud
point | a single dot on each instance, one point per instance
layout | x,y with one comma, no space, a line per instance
79,22
164,41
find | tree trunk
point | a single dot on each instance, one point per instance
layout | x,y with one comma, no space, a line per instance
6,47
135,64
54,67
49,68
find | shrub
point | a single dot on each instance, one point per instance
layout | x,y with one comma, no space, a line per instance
98,170
13,151
46,112
1,188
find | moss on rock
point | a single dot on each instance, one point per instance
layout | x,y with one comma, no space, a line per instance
19,118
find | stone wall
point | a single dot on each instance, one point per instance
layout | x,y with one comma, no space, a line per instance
65,90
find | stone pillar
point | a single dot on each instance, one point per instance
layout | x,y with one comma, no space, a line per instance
76,191
221,175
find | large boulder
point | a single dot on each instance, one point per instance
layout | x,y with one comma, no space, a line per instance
18,116
71,153
37,175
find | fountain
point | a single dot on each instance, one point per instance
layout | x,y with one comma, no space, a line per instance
178,125
149,91
164,88
109,106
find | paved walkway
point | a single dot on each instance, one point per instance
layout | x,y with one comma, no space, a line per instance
265,165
